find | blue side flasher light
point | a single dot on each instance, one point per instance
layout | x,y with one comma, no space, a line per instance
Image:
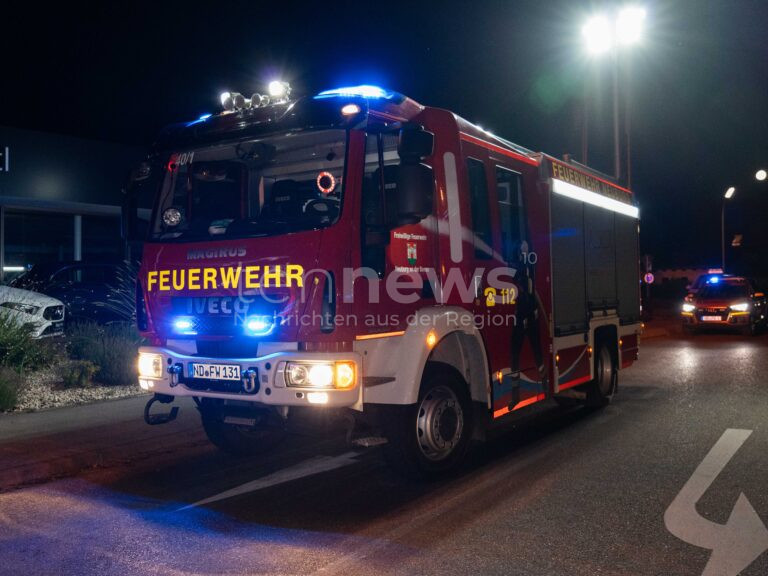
202,118
185,325
259,325
714,279
364,91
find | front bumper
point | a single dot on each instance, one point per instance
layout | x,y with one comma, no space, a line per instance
270,388
716,320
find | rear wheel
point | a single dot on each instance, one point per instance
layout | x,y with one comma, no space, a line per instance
255,437
431,436
603,386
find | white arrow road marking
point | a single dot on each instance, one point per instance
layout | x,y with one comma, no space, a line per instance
309,467
738,542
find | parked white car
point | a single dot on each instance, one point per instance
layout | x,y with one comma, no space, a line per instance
44,315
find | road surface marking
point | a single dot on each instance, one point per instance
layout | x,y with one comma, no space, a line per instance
738,542
310,467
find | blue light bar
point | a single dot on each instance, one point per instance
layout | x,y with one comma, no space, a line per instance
364,91
185,325
714,279
259,325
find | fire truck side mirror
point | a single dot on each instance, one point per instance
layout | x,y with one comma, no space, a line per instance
415,144
415,180
415,190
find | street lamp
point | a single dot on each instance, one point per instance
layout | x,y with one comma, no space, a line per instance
727,196
603,34
761,175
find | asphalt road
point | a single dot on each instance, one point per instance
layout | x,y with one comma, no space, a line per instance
560,493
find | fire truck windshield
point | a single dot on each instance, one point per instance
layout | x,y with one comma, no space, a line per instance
258,187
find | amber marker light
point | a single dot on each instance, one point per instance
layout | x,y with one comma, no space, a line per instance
431,339
345,375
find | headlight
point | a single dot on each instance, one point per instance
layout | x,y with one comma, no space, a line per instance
21,307
150,365
687,307
740,307
340,375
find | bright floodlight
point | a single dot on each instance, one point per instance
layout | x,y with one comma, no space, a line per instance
761,175
730,192
278,89
227,101
598,34
629,25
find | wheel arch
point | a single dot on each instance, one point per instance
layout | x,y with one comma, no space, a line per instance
402,360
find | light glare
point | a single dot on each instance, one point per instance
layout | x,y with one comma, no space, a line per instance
629,25
575,192
150,365
321,375
730,192
317,398
598,34
761,175
278,89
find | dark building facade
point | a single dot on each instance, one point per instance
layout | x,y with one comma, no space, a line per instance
60,198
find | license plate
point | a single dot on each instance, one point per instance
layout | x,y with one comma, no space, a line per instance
215,371
711,318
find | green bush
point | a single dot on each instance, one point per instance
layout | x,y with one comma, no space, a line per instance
112,348
19,350
80,374
9,388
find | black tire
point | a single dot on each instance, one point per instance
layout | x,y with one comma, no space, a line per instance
601,389
689,329
240,440
431,437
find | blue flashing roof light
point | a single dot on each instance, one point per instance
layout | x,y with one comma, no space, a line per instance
714,279
364,91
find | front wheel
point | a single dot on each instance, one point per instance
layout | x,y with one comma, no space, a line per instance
432,436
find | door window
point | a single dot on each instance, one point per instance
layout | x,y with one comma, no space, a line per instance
510,199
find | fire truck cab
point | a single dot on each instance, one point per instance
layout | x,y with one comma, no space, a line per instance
359,251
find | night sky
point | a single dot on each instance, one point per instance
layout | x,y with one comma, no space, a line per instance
698,83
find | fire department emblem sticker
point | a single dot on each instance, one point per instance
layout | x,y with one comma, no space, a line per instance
411,254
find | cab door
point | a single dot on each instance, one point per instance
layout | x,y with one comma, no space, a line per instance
494,295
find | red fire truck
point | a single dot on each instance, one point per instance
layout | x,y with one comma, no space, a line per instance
358,251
